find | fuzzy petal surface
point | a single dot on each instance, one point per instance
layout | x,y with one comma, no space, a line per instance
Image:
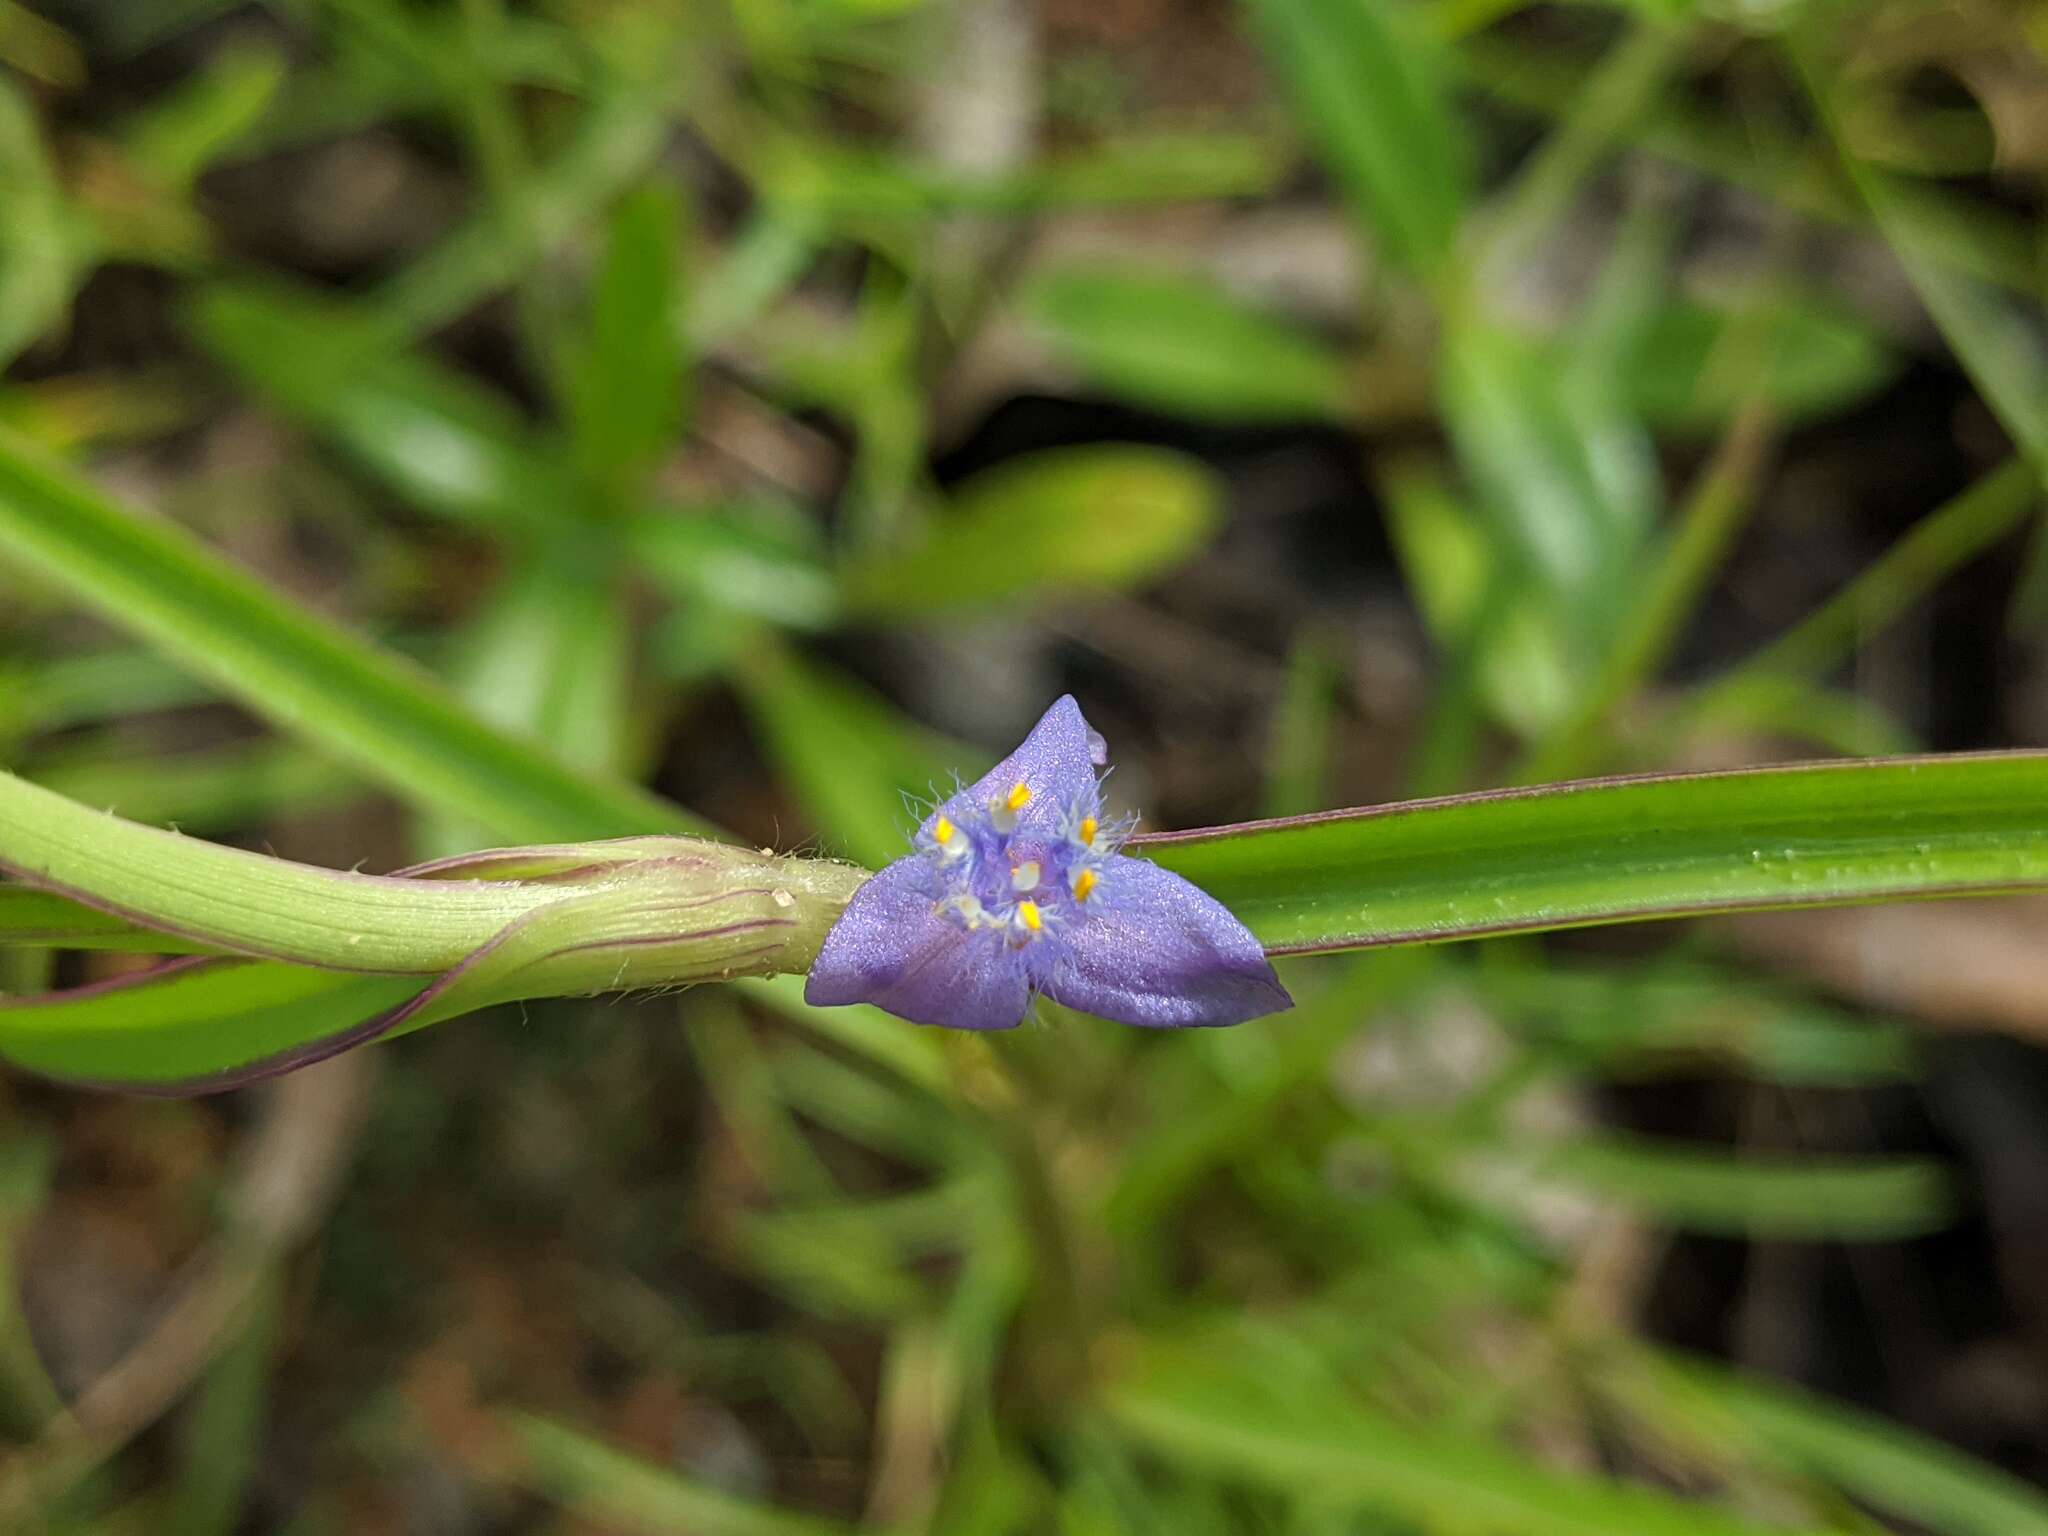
1162,953
1056,762
890,948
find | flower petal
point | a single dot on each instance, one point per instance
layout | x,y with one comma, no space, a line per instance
1056,762
891,949
1160,952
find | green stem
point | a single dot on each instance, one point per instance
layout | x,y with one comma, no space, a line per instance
630,891
1943,541
1611,99
243,902
1708,523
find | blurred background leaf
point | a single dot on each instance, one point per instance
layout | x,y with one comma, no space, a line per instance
429,423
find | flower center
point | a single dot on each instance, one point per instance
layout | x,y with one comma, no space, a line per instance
992,872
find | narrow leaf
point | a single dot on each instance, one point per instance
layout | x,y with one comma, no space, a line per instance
860,794
445,443
1612,850
1071,518
1782,1197
1890,1467
1796,354
1201,1416
41,919
308,676
1180,345
593,1479
626,385
1366,85
188,1026
1560,473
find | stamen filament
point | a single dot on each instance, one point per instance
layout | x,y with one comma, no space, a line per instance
953,843
1002,814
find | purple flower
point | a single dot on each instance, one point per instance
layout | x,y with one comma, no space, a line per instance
1016,888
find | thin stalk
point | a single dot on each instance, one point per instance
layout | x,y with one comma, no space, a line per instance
1948,538
1785,170
1707,525
1613,97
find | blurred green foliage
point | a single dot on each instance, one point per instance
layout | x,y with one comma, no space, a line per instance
576,378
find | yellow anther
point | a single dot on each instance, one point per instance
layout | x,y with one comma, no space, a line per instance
1027,914
1088,830
952,846
1084,882
1002,814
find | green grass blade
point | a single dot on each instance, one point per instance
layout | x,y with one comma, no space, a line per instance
1298,743
1946,539
1701,1189
178,1027
861,796
916,1055
307,676
1366,86
207,793
592,1478
1991,332
175,140
549,657
1605,851
1504,651
762,559
1629,1022
39,918
28,1398
1751,705
1179,344
1777,165
45,244
1558,471
625,380
445,443
88,687
611,148
817,179
1612,97
1067,518
1202,1416
224,1431
1798,352
1651,624
1176,1154
1892,1468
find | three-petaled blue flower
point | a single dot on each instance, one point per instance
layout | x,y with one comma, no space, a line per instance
1016,888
